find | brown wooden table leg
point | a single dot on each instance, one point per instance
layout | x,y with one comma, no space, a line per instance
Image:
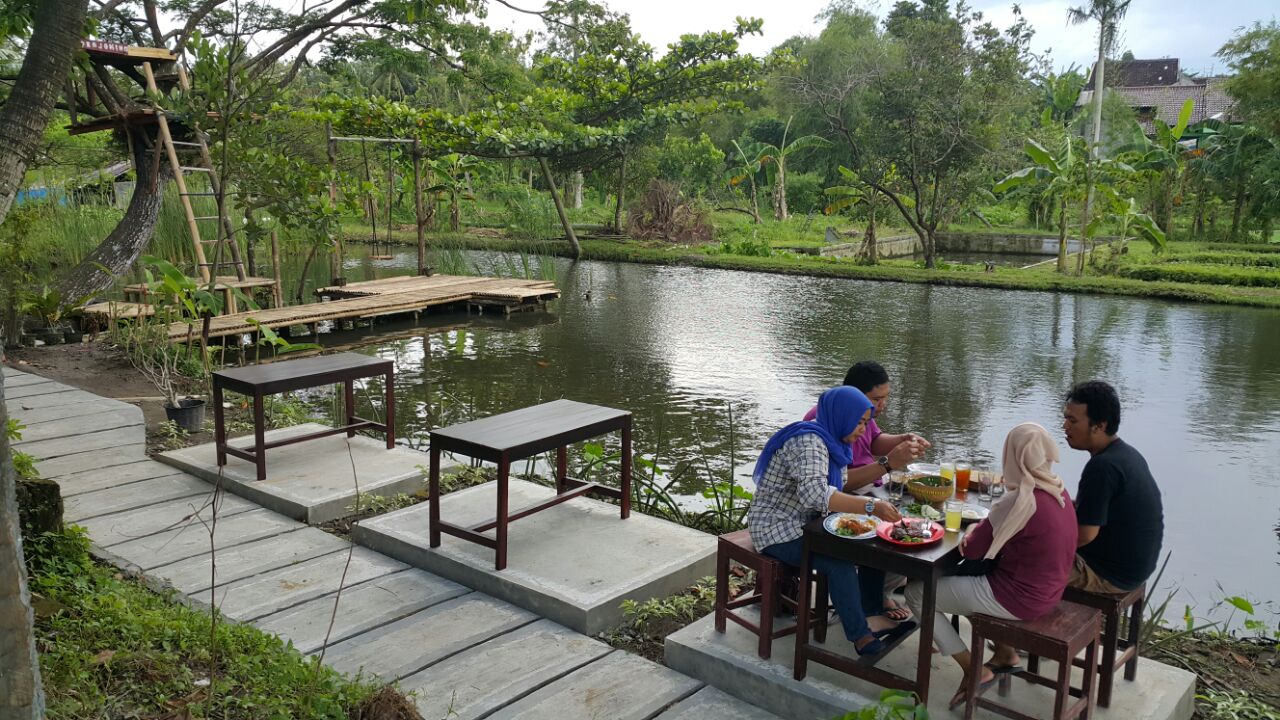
219,424
391,408
626,469
925,653
562,467
800,666
504,472
433,487
259,430
349,402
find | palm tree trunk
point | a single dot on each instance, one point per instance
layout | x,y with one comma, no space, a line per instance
1062,237
564,217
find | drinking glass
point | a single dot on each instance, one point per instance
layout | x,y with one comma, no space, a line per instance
897,485
962,477
947,470
985,479
953,508
997,486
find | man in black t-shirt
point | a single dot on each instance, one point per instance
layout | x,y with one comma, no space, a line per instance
1118,502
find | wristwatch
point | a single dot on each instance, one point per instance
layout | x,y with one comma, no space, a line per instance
871,506
883,460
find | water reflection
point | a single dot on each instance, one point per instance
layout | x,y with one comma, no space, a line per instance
1200,384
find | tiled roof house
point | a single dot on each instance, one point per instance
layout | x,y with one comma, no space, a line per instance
1157,89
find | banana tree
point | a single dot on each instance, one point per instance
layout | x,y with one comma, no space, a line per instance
454,171
748,161
776,155
857,193
1164,158
1055,176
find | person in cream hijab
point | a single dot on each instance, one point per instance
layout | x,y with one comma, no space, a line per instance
1031,537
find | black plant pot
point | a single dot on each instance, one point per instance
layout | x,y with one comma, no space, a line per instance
51,336
73,336
189,415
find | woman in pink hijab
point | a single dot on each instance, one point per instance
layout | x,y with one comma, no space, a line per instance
1031,536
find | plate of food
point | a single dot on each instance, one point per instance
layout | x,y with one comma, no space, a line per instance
921,510
851,525
910,532
971,513
924,469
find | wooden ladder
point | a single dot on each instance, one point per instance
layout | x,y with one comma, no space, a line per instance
231,249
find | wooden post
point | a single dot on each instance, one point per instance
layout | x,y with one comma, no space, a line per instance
417,207
335,258
277,292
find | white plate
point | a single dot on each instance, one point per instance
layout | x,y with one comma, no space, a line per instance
925,468
830,524
974,513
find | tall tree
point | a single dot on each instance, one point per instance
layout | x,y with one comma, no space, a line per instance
1254,57
1108,14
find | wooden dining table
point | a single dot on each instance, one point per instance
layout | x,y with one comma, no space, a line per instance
928,564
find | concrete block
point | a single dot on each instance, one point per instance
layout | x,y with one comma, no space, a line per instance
408,645
712,704
186,542
194,574
729,662
36,389
18,380
110,530
89,410
619,686
134,495
80,424
276,590
360,608
66,395
119,475
87,443
55,468
494,674
311,481
574,563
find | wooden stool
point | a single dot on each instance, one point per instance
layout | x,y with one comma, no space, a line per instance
771,575
1113,607
1060,635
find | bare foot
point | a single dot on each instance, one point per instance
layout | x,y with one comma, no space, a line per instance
878,623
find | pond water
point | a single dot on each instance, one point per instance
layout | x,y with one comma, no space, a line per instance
681,346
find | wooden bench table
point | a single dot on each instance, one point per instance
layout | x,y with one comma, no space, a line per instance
512,436
258,381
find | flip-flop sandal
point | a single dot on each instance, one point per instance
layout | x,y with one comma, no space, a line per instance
1003,669
960,697
894,633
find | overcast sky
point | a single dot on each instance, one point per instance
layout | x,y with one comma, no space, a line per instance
1191,30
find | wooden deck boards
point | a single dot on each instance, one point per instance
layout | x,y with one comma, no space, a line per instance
379,298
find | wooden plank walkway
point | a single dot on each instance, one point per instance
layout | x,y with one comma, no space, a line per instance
464,653
381,298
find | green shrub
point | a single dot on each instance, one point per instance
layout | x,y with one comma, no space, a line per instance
1244,259
1209,274
804,193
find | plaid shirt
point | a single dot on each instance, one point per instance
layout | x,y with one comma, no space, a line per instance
792,491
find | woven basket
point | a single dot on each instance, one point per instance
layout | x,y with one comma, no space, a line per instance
929,493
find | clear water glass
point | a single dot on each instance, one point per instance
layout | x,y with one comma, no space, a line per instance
985,479
897,486
997,486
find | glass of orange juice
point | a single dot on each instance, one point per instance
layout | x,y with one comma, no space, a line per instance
963,471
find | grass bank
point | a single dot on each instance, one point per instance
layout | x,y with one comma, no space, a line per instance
1040,279
111,648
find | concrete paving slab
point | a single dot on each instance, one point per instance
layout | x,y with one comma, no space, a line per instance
311,481
187,542
18,379
619,686
96,479
134,495
89,410
80,424
494,674
86,443
574,563
254,597
55,468
729,662
34,389
110,530
712,704
194,574
408,645
66,396
360,608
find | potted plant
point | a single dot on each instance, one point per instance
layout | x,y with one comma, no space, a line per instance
47,305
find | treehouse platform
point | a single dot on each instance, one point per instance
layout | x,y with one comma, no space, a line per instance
397,296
